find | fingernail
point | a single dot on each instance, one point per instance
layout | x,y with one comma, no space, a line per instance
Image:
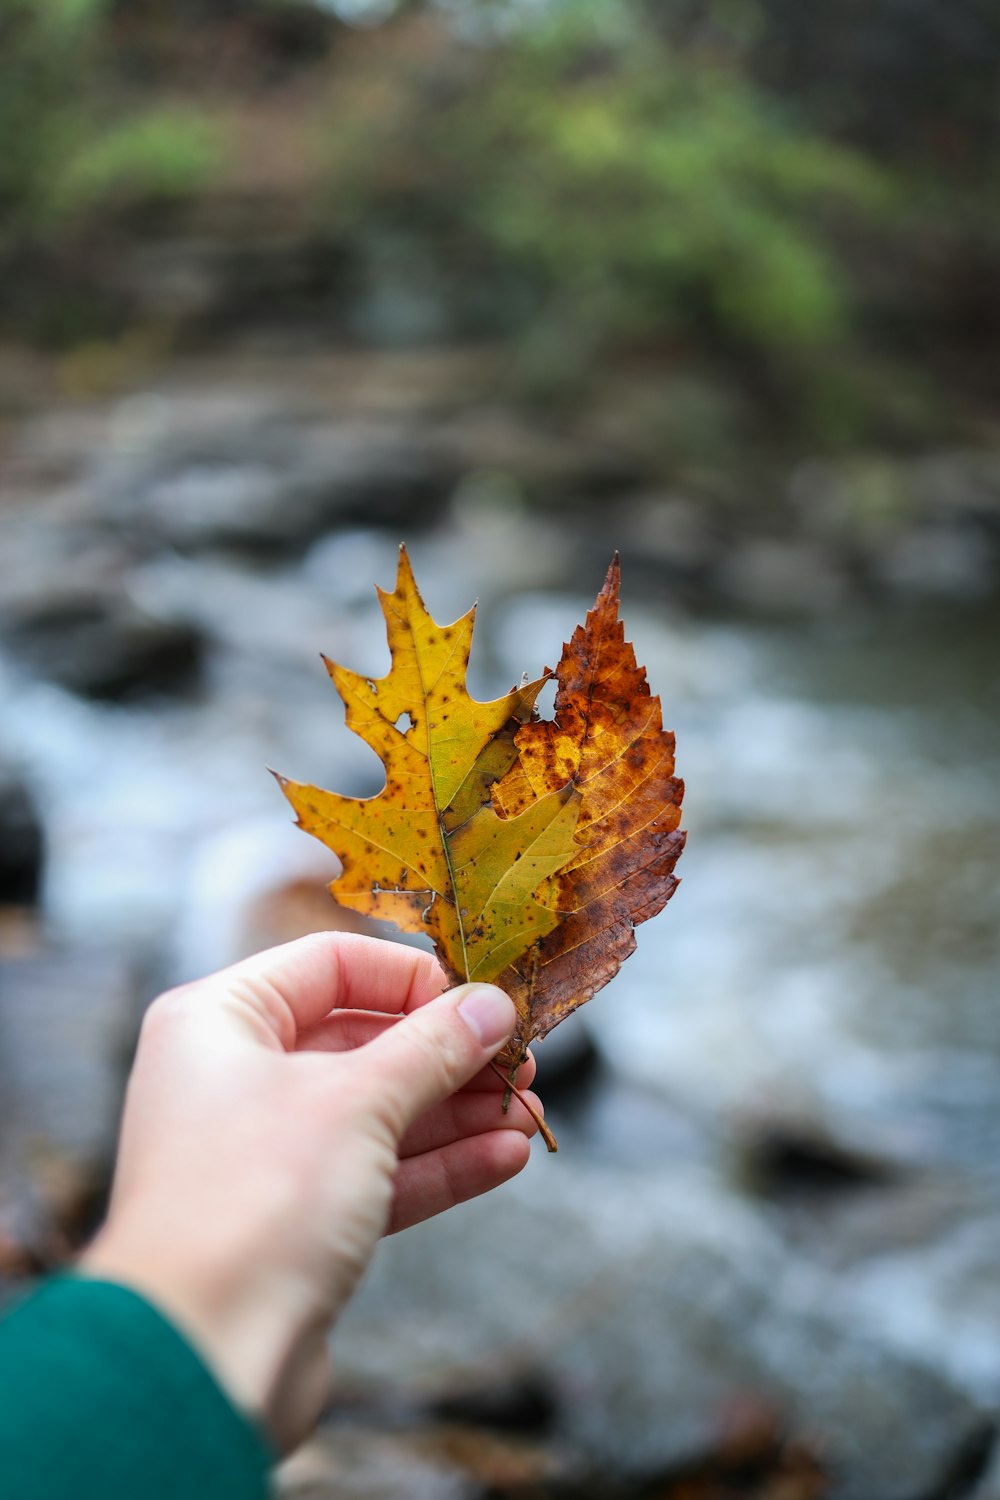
488,1013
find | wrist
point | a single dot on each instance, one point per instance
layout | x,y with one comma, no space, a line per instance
250,1335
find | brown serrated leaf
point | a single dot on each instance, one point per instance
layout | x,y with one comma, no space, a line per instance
607,740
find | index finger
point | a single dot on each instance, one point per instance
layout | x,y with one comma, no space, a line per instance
327,971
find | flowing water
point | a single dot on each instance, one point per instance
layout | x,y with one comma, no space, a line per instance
834,945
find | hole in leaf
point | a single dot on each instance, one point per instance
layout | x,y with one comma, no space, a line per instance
404,722
545,703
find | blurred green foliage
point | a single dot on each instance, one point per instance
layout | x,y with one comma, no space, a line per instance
636,190
658,196
585,178
70,143
598,187
45,47
162,153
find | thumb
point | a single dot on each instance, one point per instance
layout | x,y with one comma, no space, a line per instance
435,1050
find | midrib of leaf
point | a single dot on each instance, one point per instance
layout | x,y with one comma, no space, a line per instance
437,803
595,671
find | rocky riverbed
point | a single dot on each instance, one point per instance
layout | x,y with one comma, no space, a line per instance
766,1259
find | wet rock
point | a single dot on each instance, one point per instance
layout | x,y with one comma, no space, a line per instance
22,844
279,486
970,1467
523,1405
105,647
845,1232
786,1159
959,483
649,1304
57,561
853,504
175,280
568,1060
988,1485
781,576
356,1459
548,464
924,528
254,619
69,614
671,536
364,1465
435,1461
942,562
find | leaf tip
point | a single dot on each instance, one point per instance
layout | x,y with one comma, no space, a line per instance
608,599
404,570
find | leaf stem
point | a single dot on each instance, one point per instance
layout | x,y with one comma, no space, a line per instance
546,1134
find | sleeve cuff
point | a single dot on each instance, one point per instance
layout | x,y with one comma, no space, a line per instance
101,1396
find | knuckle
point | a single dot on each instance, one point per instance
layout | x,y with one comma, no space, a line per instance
262,1001
168,1009
389,1115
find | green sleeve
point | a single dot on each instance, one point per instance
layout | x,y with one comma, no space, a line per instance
102,1399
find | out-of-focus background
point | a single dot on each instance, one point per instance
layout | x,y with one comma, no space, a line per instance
283,283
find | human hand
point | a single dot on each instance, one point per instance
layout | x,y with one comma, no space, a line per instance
281,1115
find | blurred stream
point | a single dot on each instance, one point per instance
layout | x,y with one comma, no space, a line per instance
835,934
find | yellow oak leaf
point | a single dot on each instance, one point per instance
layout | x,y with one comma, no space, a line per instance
430,852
